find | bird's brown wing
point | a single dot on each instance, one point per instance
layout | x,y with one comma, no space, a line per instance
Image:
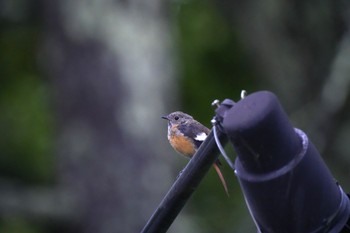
193,130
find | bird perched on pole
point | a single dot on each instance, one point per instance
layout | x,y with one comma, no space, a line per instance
185,135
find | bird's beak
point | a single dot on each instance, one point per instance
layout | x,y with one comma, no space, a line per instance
165,117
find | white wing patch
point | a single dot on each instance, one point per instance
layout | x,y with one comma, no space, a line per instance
200,137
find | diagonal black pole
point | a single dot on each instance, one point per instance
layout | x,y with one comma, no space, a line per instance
184,186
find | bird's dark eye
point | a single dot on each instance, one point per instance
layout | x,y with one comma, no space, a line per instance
176,118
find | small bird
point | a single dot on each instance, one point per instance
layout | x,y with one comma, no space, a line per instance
185,135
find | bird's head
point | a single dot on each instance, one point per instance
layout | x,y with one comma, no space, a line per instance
176,118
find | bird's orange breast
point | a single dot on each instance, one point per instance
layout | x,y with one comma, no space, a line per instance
183,145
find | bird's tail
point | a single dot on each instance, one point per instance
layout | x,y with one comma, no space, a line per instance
222,179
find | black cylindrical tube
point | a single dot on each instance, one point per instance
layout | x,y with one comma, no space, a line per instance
286,184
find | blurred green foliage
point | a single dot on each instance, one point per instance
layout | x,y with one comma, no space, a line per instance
14,225
212,59
26,118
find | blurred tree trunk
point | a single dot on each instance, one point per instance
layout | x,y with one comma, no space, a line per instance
111,68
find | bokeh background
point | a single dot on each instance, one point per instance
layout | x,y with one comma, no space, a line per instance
83,85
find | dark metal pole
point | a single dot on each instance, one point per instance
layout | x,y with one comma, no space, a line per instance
184,186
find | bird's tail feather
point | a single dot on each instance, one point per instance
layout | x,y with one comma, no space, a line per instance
222,179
